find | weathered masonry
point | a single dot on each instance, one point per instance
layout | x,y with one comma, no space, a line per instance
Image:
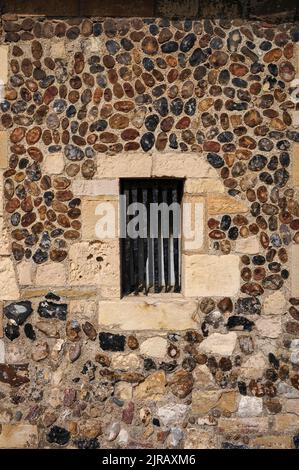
181,343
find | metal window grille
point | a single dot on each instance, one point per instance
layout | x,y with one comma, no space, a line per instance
151,263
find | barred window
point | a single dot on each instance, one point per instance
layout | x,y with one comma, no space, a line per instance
150,235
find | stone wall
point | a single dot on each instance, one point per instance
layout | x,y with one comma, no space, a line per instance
85,102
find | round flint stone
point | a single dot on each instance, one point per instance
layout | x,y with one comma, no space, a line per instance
18,311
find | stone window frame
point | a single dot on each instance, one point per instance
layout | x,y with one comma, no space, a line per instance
164,311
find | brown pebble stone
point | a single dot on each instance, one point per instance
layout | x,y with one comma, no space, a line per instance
273,55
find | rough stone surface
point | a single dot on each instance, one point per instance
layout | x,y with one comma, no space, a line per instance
204,274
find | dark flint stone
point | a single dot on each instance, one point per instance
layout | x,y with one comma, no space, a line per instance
235,322
296,438
293,135
147,141
273,163
190,107
18,311
98,126
161,106
169,47
215,160
48,197
168,366
149,364
233,233
273,361
29,331
197,57
40,256
73,153
58,435
281,177
225,222
257,163
239,82
187,42
273,69
258,260
11,332
248,306
242,388
52,296
83,443
284,159
225,137
266,178
173,143
52,310
283,144
176,106
148,64
151,122
111,342
230,445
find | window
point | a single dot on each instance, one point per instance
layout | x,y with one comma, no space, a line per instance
150,235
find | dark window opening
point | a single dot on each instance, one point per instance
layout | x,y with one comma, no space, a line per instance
151,260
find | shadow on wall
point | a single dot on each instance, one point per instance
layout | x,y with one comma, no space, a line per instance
274,11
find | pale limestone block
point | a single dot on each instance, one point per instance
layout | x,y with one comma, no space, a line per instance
17,436
182,165
51,274
258,425
217,343
125,362
295,160
204,400
203,185
250,407
2,352
249,246
274,304
229,401
25,271
153,388
252,367
272,442
224,204
83,309
3,64
295,270
94,187
124,166
210,275
53,163
203,377
123,391
5,240
193,223
99,218
155,347
8,285
291,406
285,423
96,264
295,118
58,49
198,439
1,192
3,147
148,315
172,413
269,327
